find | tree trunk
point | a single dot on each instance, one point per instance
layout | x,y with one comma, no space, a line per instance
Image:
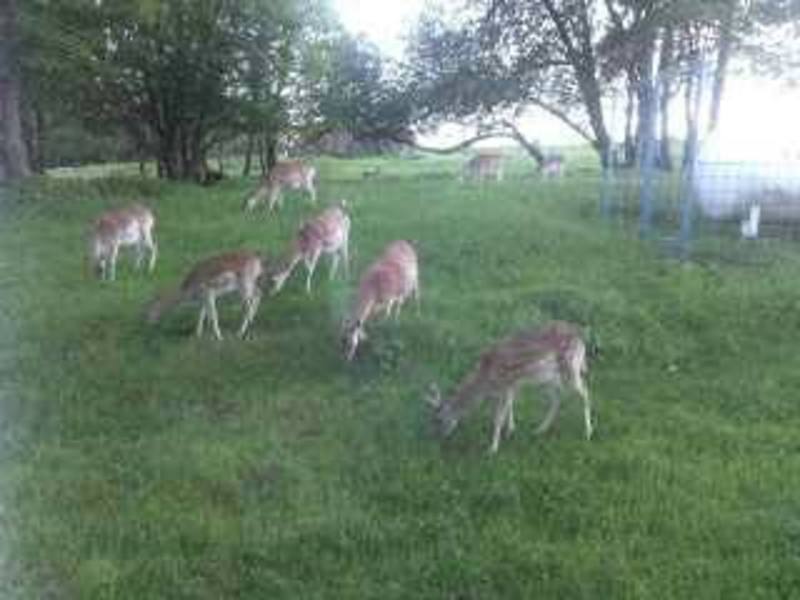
592,100
721,68
262,157
181,156
14,160
576,37
646,102
272,152
248,156
630,111
666,75
692,97
32,127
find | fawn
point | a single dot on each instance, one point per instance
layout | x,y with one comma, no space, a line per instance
292,174
486,165
553,356
552,167
385,285
327,233
238,271
130,226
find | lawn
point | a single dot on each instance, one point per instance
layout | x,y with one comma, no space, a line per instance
138,462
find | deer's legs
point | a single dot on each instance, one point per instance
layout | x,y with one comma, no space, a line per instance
510,425
201,321
153,250
345,250
389,305
552,413
111,265
251,304
141,248
211,307
311,265
274,198
580,386
312,192
334,265
502,407
397,306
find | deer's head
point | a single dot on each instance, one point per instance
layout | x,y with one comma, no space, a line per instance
444,419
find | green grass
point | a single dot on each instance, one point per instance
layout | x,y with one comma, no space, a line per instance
140,462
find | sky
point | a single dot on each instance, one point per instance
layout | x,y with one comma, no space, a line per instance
757,115
382,21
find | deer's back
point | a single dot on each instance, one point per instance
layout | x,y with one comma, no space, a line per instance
388,279
124,224
223,271
402,253
328,230
540,354
292,172
484,164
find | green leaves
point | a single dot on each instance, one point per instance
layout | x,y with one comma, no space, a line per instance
175,77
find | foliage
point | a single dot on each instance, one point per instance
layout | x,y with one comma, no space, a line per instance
362,92
177,77
488,60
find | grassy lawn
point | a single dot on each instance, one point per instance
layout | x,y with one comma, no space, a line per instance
140,462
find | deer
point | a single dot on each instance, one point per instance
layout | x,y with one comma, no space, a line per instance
552,167
553,356
384,286
327,233
292,174
238,271
486,165
112,230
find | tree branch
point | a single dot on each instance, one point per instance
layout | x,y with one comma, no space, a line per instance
563,32
564,118
450,149
531,147
616,18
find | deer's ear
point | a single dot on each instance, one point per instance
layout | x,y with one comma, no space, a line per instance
434,396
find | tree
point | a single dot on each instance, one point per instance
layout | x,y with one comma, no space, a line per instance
490,59
177,77
14,161
503,56
361,94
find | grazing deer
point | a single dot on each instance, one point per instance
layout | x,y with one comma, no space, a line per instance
385,285
292,174
327,233
487,165
238,271
130,226
371,172
552,167
554,356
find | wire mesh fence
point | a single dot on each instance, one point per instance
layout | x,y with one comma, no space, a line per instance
714,205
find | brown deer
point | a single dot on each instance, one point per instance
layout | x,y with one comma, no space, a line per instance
327,233
486,165
553,356
385,285
238,271
292,174
130,226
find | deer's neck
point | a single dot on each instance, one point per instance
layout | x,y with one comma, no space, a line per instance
467,396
